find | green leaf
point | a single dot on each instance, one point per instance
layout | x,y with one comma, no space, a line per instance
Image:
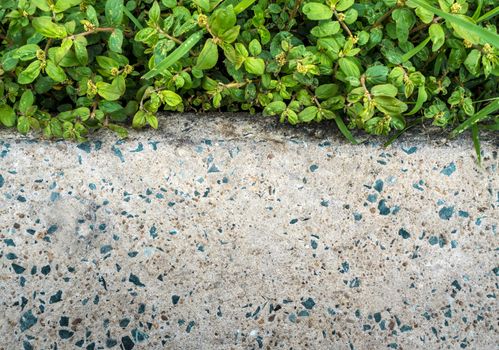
27,99
422,97
326,29
316,12
492,13
273,108
243,5
23,125
344,130
49,29
308,114
425,15
229,36
476,142
344,5
254,65
384,90
121,131
204,4
437,36
408,55
154,13
116,41
63,5
41,4
377,74
55,72
398,122
389,105
463,32
7,116
326,91
349,67
208,57
152,120
28,75
26,52
468,107
134,19
171,98
80,48
114,12
222,20
472,62
107,63
176,55
110,92
255,48
477,31
139,119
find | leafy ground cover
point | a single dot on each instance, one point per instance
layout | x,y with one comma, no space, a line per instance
68,67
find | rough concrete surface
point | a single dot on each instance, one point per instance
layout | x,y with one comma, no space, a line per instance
233,233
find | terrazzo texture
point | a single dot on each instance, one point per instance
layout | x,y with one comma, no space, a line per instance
229,233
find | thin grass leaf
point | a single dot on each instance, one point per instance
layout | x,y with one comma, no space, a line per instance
476,142
179,52
488,15
243,5
408,55
422,97
490,127
487,36
132,18
478,10
481,115
344,130
399,133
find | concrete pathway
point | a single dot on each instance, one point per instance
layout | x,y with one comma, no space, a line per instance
230,233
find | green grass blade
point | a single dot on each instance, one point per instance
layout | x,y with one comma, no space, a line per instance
487,36
243,5
179,52
422,97
479,116
478,10
491,127
132,18
399,133
488,15
344,130
476,142
408,55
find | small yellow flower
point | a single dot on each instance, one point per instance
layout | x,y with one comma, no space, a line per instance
455,8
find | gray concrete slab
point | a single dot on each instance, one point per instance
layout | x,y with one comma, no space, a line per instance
226,232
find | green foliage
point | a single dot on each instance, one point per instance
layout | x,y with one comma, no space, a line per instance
69,67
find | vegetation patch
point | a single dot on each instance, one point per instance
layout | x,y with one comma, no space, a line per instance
68,67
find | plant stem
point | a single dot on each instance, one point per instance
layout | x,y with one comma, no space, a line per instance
93,31
343,24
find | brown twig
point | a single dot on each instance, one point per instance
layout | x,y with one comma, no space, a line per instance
93,31
343,24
